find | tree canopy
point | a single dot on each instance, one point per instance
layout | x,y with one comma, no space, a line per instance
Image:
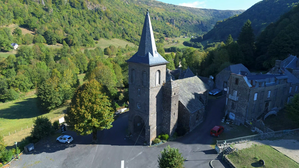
90,110
171,158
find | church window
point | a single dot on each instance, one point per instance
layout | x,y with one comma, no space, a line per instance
133,76
144,78
290,91
269,93
158,78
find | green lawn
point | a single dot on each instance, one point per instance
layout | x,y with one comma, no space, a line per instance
17,115
176,44
249,158
6,54
104,43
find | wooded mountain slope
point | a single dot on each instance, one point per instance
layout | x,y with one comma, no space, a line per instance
261,15
279,40
78,22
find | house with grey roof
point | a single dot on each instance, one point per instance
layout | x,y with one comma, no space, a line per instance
253,96
158,103
223,76
290,68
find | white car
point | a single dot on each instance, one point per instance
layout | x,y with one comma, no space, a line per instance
65,139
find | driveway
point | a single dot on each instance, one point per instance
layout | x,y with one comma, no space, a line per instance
114,150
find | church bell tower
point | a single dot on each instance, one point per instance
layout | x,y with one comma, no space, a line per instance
147,74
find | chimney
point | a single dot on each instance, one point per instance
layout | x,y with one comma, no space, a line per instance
277,63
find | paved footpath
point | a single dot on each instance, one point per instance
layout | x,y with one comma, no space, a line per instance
115,151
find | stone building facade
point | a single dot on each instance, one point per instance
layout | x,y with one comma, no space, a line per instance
155,98
253,96
222,77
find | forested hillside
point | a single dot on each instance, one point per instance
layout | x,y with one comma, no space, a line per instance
261,15
279,40
80,22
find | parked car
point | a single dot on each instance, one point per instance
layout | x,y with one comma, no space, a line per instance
214,92
65,139
216,131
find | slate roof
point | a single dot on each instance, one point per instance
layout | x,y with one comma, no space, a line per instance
186,74
290,62
189,88
237,68
262,76
147,51
291,78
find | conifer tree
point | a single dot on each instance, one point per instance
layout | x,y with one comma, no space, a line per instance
246,42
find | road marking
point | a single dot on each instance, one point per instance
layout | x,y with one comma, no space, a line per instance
134,157
122,164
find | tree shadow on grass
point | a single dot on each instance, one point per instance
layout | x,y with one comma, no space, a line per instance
256,164
27,108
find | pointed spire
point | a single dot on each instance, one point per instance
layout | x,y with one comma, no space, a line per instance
147,51
147,43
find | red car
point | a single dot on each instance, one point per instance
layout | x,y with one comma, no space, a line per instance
216,131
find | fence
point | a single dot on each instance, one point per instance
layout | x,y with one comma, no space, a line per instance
262,136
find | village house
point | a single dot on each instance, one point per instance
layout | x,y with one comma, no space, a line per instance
223,76
251,97
159,102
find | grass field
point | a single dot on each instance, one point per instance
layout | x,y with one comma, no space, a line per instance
249,158
6,54
176,44
104,43
17,115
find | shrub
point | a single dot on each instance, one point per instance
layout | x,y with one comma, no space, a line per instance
156,141
56,125
165,137
6,156
121,96
116,105
11,94
170,157
42,128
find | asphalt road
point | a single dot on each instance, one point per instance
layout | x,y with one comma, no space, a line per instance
114,150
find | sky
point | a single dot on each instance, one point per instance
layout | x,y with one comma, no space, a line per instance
214,4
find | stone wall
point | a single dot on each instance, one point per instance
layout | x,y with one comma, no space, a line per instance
184,118
237,97
170,107
222,77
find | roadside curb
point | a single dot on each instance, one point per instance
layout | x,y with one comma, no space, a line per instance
211,163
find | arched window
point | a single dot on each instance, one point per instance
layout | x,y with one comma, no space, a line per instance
144,81
158,78
132,75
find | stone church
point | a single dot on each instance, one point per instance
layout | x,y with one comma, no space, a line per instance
158,103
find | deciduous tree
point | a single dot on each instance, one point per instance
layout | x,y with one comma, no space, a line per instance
90,110
171,158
